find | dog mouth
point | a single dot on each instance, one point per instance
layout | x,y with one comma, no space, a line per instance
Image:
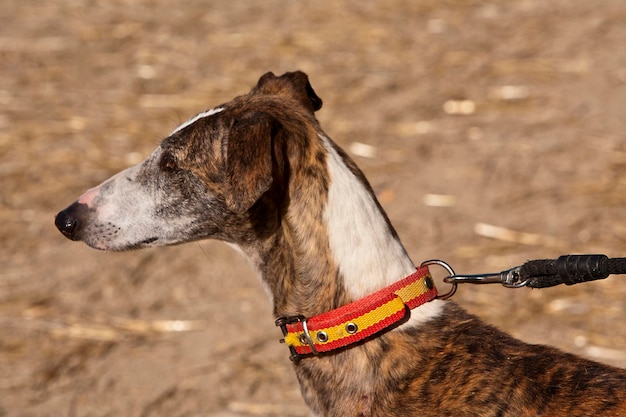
148,241
141,244
103,246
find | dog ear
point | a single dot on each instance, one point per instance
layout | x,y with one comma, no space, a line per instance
294,85
248,160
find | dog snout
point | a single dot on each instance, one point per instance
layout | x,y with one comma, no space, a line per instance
70,221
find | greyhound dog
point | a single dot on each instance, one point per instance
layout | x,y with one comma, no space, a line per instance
365,329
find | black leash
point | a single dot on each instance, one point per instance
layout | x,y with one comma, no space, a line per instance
542,273
571,269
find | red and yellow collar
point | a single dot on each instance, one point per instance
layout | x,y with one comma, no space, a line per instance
358,320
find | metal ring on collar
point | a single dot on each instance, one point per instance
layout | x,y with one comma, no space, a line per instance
307,337
450,272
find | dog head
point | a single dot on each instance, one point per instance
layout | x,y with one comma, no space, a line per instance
222,174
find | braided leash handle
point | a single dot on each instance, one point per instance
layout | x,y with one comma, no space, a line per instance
570,270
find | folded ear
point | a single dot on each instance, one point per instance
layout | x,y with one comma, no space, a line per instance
293,85
248,160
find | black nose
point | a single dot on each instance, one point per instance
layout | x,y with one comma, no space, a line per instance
69,220
65,223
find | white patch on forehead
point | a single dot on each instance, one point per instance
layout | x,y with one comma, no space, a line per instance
369,256
198,117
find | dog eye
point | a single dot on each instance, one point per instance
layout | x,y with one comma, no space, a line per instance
168,163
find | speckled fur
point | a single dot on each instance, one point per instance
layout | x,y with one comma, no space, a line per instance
255,174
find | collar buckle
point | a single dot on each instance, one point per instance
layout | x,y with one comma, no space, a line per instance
282,322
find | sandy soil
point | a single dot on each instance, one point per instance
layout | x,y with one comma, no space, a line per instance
513,111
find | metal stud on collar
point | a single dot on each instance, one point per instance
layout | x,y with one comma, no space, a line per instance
352,328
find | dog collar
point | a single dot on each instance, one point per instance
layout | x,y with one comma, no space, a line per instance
358,320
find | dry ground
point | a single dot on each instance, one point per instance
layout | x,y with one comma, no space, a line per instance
513,110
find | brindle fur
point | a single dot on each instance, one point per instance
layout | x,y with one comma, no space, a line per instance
256,175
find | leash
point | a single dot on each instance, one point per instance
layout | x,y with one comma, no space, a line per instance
389,306
541,273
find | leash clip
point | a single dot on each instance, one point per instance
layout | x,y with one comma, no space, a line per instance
510,278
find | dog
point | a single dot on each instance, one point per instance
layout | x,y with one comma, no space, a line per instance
365,328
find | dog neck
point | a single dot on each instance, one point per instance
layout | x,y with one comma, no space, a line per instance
335,244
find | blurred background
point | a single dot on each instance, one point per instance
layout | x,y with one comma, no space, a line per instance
493,132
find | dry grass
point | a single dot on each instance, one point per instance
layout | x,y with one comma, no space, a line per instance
510,113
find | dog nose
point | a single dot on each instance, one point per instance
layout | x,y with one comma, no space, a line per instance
69,221
66,223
